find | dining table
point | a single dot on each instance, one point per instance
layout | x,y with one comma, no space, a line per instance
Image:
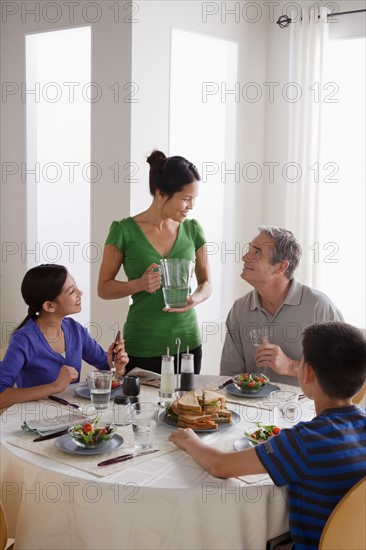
55,499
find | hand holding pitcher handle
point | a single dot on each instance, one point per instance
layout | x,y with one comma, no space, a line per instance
150,280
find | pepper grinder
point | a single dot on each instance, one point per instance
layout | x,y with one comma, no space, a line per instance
187,372
167,382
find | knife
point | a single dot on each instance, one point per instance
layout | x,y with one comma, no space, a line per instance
123,458
225,384
52,435
65,402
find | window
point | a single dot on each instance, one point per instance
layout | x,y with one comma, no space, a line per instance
202,128
339,250
58,96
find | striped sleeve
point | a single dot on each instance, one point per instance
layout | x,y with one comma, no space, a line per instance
319,461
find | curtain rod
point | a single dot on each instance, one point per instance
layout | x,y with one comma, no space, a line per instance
284,21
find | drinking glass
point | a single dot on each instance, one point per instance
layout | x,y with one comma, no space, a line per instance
285,407
144,420
100,383
257,334
176,276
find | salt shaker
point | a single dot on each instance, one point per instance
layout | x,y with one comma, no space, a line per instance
167,381
122,410
187,372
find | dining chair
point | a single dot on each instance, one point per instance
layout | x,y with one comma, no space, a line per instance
345,527
5,542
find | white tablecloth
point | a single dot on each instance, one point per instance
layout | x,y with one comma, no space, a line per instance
168,502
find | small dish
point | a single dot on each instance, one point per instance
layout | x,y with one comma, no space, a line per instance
242,444
116,383
67,445
250,381
82,390
167,421
90,435
261,433
264,392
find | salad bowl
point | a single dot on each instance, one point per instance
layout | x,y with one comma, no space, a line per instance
250,382
261,433
90,435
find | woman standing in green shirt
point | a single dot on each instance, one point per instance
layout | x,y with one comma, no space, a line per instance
139,243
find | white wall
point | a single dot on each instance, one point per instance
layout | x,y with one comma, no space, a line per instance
277,114
136,55
114,140
150,125
110,141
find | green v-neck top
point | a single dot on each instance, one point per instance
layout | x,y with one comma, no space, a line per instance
149,330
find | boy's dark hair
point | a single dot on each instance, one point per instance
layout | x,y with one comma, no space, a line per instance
337,353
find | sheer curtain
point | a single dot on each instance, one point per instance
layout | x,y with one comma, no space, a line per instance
304,97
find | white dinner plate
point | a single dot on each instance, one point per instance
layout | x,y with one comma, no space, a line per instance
245,442
82,390
167,421
67,444
241,444
264,392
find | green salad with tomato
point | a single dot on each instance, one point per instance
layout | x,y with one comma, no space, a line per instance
250,381
262,433
90,434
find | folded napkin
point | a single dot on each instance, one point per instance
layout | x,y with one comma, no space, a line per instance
51,425
147,377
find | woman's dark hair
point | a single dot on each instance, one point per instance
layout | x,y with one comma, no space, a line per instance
337,353
170,175
41,284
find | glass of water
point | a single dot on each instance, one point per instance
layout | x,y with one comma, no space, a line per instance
100,383
144,420
257,334
285,407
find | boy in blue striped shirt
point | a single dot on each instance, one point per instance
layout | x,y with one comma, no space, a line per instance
319,460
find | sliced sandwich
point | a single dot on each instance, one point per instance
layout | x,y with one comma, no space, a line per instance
187,404
204,413
215,403
203,422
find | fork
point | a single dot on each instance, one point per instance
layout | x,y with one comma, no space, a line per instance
113,369
65,402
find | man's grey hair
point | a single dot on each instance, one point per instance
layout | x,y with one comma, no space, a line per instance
285,248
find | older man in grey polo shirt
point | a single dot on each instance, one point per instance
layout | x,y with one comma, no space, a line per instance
279,302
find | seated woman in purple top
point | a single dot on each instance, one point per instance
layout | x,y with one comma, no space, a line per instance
46,350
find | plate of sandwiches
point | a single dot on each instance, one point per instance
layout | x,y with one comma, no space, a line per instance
202,413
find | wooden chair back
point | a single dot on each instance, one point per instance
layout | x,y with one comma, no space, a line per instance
5,542
358,397
345,527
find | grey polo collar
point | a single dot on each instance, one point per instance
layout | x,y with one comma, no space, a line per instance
293,297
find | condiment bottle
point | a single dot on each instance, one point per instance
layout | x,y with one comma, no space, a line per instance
167,381
187,372
122,410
